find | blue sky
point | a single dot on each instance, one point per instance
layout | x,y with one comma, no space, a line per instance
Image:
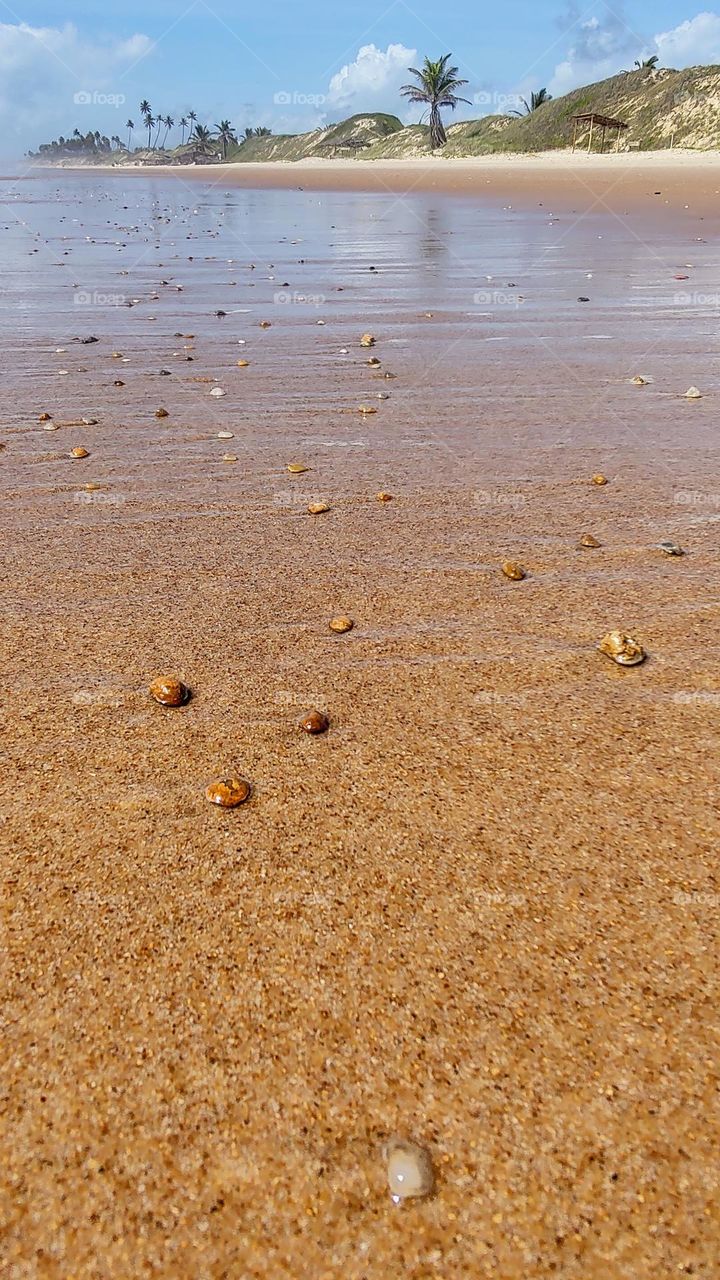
293,64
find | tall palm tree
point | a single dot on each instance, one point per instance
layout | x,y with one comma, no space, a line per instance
130,127
537,99
193,121
169,122
648,65
436,85
183,126
159,120
226,135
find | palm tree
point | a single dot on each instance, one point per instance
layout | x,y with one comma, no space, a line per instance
263,132
130,125
436,85
226,135
160,120
202,135
183,126
536,100
193,121
169,122
648,65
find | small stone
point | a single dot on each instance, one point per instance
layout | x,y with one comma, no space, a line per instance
230,457
409,1170
117,355
45,417
692,393
622,648
118,382
265,324
297,468
587,540
161,413
228,792
367,408
382,496
374,362
317,508
50,426
315,722
599,478
217,392
169,691
671,548
367,340
638,381
513,570
79,452
226,435
243,364
341,624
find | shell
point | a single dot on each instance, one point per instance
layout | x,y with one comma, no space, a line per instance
169,691
367,340
692,393
265,324
226,435
161,413
409,1170
382,496
228,792
315,722
50,426
367,408
79,452
599,478
341,624
317,508
217,392
297,468
670,548
45,417
243,364
622,648
513,570
638,381
587,540
230,457
374,361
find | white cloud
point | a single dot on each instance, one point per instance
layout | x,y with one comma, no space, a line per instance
42,69
693,42
372,82
603,47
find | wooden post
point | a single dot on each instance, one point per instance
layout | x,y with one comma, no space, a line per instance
575,124
591,129
602,140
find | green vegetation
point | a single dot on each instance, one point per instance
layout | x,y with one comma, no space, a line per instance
435,87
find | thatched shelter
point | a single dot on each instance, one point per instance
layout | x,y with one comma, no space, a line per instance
595,120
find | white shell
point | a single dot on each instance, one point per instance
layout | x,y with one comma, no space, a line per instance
692,393
218,391
409,1170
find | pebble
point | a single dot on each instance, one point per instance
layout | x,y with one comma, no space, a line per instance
692,393
45,417
50,426
79,452
599,478
317,508
226,435
587,540
265,324
374,362
243,364
161,413
367,408
315,722
382,496
409,1170
169,691
638,381
228,792
341,624
513,570
230,457
217,392
367,340
297,468
622,648
671,548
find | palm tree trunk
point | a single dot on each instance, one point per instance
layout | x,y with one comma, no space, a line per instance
438,136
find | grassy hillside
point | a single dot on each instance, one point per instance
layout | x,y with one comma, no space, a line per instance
349,138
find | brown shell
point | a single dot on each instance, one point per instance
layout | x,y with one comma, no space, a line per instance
317,508
169,691
382,496
599,478
228,792
367,340
341,624
587,540
79,452
513,570
622,648
315,722
161,413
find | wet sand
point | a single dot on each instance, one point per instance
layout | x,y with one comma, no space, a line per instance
481,911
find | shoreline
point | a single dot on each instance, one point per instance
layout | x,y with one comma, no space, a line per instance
564,176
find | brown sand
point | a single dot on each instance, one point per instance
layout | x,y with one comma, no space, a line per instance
481,911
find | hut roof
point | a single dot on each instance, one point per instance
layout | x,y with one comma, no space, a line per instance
607,122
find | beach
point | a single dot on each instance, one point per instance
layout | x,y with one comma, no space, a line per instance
479,913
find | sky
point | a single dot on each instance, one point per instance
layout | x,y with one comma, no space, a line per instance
295,64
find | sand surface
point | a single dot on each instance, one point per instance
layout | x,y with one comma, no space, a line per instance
481,912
